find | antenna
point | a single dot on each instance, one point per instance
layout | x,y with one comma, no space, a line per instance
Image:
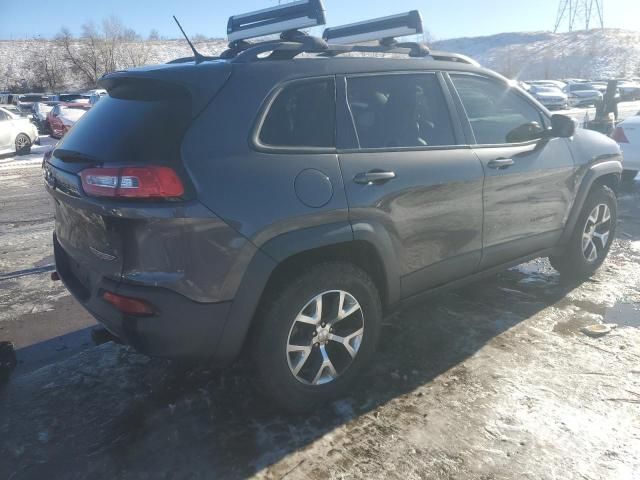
196,55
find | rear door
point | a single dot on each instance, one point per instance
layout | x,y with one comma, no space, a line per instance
529,182
407,171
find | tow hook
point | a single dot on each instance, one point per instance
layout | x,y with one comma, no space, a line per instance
54,276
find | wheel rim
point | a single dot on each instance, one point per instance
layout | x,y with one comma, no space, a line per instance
21,142
325,337
597,230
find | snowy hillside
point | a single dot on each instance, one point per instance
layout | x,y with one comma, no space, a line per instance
585,54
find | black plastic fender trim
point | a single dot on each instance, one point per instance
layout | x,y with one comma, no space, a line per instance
607,164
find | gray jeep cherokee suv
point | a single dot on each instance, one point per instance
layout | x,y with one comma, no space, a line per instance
285,197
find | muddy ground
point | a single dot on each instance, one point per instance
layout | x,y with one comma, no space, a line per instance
494,381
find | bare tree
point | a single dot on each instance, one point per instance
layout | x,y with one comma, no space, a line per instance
100,50
48,67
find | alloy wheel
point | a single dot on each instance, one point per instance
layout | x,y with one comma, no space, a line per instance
596,232
325,337
22,141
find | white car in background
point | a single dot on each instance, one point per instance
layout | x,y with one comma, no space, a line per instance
627,134
17,134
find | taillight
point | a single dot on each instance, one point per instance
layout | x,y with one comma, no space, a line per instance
132,182
619,136
128,305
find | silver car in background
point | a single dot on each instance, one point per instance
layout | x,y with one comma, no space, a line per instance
549,96
17,134
582,94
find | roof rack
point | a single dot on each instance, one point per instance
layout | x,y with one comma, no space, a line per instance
383,29
372,36
268,21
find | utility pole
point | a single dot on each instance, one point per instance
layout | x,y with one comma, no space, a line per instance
573,13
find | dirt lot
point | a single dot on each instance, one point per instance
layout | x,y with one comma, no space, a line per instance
494,381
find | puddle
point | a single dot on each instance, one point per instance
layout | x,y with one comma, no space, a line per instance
588,313
573,325
624,314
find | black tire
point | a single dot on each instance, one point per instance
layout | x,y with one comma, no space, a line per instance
573,262
23,144
275,323
629,175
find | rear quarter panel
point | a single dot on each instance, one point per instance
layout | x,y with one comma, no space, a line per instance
254,191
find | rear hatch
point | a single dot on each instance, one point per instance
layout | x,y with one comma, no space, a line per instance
140,124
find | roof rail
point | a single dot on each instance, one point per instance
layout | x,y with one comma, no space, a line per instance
453,57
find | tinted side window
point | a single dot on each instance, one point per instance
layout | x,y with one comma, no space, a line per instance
406,110
302,115
497,114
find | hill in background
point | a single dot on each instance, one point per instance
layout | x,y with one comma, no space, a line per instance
607,53
530,55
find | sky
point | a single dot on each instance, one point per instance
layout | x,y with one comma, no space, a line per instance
443,18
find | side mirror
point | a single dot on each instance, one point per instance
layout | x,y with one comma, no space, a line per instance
562,126
525,132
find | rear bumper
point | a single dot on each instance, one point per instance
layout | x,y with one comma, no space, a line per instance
630,156
181,329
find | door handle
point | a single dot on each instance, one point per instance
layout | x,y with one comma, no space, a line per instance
500,163
374,176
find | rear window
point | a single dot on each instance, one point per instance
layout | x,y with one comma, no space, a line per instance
302,115
129,131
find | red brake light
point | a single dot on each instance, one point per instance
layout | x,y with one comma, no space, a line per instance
132,182
128,305
619,136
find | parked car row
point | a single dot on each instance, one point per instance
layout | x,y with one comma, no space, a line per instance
31,114
576,92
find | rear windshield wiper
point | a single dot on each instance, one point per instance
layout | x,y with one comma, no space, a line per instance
74,156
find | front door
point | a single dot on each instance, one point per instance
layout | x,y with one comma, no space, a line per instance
407,173
6,131
529,182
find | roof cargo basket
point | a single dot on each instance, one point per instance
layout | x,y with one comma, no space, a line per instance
269,21
383,29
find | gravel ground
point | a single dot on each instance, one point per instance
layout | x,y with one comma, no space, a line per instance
493,381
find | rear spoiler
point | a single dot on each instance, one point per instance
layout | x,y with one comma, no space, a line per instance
197,83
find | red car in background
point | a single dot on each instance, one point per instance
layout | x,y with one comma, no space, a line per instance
64,116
